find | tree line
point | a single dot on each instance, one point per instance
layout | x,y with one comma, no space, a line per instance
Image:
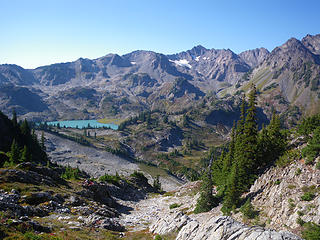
25,146
248,154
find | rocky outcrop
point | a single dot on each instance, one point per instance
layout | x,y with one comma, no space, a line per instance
254,57
226,228
312,43
279,195
170,223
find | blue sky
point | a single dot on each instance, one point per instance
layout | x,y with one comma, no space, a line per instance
41,32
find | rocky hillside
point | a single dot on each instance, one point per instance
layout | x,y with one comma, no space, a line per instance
288,79
36,199
123,85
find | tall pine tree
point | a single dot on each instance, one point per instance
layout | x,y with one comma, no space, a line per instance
14,154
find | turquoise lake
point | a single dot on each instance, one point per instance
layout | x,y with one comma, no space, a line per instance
83,124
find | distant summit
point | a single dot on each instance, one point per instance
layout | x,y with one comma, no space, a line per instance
287,78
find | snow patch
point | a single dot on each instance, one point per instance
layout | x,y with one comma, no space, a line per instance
197,58
133,63
182,63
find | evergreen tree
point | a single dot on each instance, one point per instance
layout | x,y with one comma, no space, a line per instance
157,184
25,129
264,148
42,145
14,118
14,155
25,155
206,200
240,125
233,191
277,138
248,161
312,150
228,160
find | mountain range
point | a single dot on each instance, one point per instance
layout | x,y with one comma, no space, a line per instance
287,79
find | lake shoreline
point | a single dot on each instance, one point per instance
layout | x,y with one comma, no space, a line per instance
81,124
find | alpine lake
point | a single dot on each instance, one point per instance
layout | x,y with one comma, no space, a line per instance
83,124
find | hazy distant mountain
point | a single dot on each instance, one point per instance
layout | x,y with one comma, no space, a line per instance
111,85
10,73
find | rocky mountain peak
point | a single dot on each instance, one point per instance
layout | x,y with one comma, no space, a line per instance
16,74
292,53
198,50
312,42
292,43
254,57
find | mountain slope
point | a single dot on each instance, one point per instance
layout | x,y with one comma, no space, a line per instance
288,79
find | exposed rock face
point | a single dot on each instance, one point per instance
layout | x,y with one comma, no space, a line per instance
223,227
169,224
278,194
215,65
16,75
312,43
142,80
254,57
288,78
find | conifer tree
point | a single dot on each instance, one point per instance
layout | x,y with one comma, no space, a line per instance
206,200
14,118
248,163
42,145
233,192
14,155
240,125
277,138
25,129
25,155
264,148
228,160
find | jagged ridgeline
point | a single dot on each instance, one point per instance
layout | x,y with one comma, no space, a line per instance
18,143
287,80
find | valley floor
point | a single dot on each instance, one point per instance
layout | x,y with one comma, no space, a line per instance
97,162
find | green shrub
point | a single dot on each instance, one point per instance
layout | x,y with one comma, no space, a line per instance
174,205
32,236
312,150
308,196
71,173
298,171
157,237
291,186
248,210
311,232
309,124
288,157
292,205
318,165
114,179
139,175
277,182
300,221
157,184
